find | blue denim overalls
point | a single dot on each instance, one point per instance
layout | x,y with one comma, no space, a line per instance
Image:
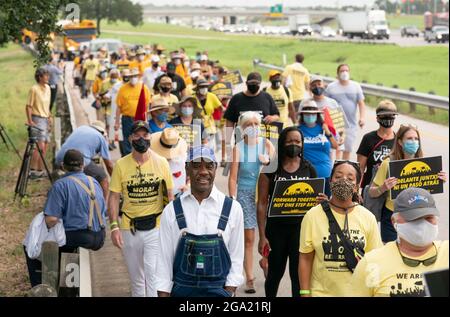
202,262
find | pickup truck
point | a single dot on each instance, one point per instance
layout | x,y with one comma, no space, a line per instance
437,33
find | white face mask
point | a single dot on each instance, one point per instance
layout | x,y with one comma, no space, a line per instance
177,61
195,73
344,75
141,58
419,232
134,81
203,91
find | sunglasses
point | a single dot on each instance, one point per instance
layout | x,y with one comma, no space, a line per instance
339,162
414,263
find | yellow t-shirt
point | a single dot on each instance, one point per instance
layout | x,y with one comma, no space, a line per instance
212,103
142,66
330,275
128,97
281,100
122,64
141,186
300,79
39,100
383,273
91,67
380,177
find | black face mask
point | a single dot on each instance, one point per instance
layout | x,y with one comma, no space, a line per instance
292,150
155,65
166,89
141,145
253,88
386,122
318,91
276,84
126,79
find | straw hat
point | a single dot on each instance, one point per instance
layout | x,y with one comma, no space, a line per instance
158,103
168,143
310,106
99,126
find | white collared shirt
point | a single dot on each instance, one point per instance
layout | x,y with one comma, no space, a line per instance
200,219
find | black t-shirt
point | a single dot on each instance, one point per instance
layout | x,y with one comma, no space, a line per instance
262,103
376,157
306,170
178,84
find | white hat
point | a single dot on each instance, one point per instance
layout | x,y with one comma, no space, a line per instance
155,58
204,57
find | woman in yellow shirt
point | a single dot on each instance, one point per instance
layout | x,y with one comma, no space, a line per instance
323,268
407,145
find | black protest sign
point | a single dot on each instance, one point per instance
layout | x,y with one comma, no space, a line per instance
234,77
222,90
191,133
293,198
417,172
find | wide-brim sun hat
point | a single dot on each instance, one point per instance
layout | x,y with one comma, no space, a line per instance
168,144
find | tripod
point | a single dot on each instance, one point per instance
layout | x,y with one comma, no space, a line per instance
22,180
5,138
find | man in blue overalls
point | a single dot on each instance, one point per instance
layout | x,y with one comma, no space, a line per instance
201,237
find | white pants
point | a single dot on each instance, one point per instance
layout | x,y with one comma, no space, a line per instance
141,252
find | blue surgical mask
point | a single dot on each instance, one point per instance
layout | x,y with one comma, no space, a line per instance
410,147
187,111
310,118
162,117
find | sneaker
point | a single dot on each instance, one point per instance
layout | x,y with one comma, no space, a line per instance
35,174
250,286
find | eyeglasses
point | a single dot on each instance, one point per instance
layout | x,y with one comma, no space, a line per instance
414,263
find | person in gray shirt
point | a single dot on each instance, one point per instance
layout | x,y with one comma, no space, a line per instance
350,97
55,70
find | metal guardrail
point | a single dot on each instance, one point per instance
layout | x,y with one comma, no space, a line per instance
411,97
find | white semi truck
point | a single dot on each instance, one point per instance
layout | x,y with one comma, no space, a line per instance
365,24
300,24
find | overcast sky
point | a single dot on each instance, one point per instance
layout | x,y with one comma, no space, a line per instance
218,3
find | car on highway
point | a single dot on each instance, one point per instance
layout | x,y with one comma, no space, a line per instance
316,28
438,33
409,30
327,32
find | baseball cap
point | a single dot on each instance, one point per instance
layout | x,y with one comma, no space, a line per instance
137,125
254,77
386,107
201,151
73,158
155,58
273,73
413,203
315,78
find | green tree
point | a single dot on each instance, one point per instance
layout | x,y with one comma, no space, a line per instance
111,10
35,15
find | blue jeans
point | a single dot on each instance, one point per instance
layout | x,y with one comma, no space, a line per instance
388,232
127,123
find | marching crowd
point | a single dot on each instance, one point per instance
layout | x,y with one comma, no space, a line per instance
179,234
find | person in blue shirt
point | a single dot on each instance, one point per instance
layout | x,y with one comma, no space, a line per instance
77,200
249,155
159,112
90,141
318,141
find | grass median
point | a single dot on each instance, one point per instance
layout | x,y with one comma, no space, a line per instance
16,78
